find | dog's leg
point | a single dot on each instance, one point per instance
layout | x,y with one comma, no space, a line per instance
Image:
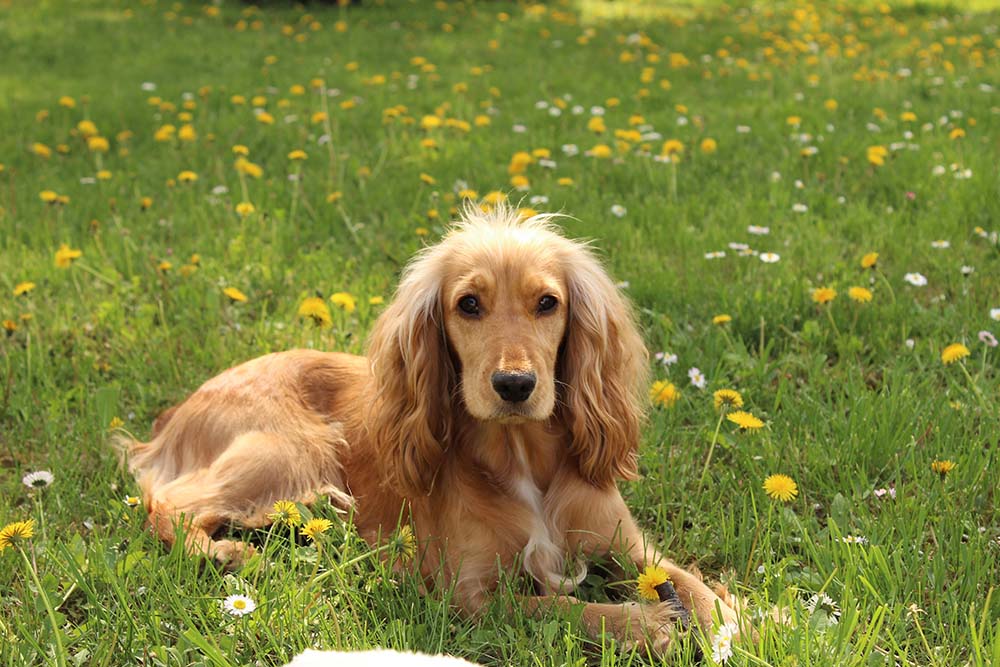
604,525
240,487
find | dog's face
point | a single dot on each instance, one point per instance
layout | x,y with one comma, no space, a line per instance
505,323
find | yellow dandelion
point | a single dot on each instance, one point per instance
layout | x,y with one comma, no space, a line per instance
869,260
164,266
600,151
116,422
672,147
650,578
376,301
942,467
664,393
285,512
244,208
709,146
860,294
12,533
315,308
953,353
728,398
41,150
823,295
65,256
187,176
240,149
98,144
722,319
404,543
781,487
297,154
23,288
745,420
334,197
316,527
344,300
235,295
428,179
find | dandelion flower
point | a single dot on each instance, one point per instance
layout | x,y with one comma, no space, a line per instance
23,288
13,532
869,260
187,176
650,578
823,295
943,467
722,319
728,398
238,605
297,155
116,422
953,353
404,543
38,479
781,487
344,300
286,512
860,294
65,256
745,420
315,527
663,393
708,146
244,208
315,308
235,295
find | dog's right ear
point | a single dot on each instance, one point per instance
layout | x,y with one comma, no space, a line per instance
409,420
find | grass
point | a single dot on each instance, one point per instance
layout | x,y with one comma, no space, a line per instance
854,396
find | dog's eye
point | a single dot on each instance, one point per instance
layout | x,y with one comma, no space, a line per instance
547,303
469,305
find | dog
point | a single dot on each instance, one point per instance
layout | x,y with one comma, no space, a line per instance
501,401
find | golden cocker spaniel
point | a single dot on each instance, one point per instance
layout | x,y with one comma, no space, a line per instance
500,402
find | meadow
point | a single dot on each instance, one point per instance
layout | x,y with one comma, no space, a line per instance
802,200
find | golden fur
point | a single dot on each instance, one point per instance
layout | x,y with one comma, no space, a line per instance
416,432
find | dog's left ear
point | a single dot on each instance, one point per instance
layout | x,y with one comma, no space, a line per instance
603,370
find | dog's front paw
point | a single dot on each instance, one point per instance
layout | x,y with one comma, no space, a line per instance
654,628
232,554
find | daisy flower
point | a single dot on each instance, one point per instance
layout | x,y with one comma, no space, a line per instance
941,244
38,479
697,378
988,338
824,603
995,314
854,539
666,358
715,254
758,231
915,279
781,487
722,643
238,605
650,578
769,257
800,208
618,211
132,501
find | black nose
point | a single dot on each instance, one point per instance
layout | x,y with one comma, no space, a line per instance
513,387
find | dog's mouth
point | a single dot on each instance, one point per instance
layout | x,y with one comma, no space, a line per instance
515,414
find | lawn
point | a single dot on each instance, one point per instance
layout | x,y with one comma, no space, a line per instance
177,178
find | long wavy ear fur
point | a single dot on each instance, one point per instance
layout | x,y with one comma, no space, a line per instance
603,368
409,420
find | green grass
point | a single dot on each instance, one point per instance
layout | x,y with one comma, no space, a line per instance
849,406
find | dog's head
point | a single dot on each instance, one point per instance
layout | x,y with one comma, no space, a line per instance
506,321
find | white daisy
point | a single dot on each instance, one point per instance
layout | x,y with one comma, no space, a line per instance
824,603
941,244
758,230
238,605
967,270
570,149
38,479
769,257
132,501
715,254
618,211
800,208
666,358
915,279
722,643
854,539
697,378
995,313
